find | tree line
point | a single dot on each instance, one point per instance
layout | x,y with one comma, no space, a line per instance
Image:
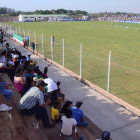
11,12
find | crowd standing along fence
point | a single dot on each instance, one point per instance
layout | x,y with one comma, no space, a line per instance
120,78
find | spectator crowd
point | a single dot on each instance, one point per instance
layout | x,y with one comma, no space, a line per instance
120,17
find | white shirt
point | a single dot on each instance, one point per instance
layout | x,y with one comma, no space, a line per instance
51,84
67,124
2,61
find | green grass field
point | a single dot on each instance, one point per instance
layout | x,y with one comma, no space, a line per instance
98,39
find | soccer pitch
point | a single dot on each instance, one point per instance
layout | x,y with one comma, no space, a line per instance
98,38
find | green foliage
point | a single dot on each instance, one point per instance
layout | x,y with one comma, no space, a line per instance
4,10
12,12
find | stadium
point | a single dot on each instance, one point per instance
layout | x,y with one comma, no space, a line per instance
69,74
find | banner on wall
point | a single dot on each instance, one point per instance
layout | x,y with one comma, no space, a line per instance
18,38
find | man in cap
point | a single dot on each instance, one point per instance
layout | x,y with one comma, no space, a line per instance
78,115
33,103
35,79
105,136
28,57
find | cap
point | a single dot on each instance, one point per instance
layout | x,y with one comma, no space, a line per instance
22,60
29,54
78,104
41,83
15,56
105,135
35,79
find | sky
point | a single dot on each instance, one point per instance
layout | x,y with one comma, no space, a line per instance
91,6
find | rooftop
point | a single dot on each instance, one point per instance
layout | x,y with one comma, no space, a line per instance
43,15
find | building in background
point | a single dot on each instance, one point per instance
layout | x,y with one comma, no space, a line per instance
31,18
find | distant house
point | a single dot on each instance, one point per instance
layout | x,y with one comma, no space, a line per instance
84,17
79,17
26,18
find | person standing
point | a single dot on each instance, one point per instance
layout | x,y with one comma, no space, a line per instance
33,46
53,40
24,43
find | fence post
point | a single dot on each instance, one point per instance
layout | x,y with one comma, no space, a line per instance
24,34
81,60
63,53
4,28
35,40
109,71
51,48
29,37
42,45
16,30
10,30
19,32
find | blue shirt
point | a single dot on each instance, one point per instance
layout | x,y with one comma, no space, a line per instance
2,89
77,114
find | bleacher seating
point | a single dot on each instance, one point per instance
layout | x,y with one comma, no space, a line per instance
13,125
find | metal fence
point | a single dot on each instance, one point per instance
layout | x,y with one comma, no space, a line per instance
121,79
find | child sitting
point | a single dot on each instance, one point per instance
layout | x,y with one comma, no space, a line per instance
55,112
45,72
68,125
60,94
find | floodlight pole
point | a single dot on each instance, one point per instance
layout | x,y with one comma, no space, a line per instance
109,71
51,48
81,60
42,45
63,53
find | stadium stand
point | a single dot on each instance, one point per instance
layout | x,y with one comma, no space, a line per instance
13,124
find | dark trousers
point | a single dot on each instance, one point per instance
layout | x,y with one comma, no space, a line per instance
53,96
10,73
41,113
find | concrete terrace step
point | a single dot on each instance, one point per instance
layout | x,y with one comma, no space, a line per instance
85,132
20,127
7,129
92,132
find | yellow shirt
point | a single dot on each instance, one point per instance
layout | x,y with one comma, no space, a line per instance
55,112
